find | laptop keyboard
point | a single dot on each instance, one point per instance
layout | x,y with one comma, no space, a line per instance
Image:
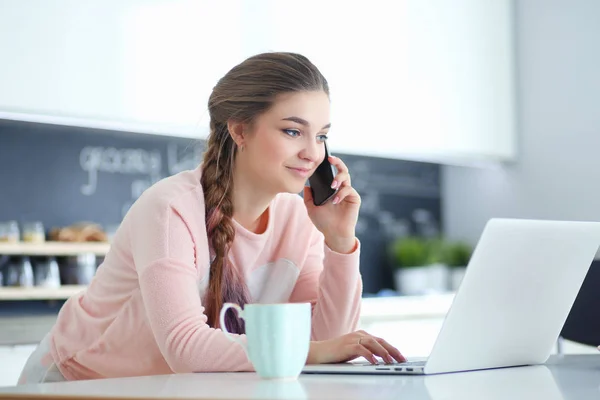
402,364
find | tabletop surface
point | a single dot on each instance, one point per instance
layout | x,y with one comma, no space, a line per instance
562,377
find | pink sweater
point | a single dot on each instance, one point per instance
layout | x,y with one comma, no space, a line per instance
142,313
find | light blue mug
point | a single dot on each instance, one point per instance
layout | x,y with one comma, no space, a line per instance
277,337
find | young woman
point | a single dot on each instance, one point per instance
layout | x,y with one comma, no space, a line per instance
233,230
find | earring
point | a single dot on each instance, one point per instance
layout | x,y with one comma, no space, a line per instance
241,147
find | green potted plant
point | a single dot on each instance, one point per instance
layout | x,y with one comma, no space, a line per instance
410,252
438,270
456,256
412,257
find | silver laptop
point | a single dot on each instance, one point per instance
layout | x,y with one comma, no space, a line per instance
520,285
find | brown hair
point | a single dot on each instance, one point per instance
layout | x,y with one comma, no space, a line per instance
245,92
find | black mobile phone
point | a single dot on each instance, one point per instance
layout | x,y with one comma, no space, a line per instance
320,182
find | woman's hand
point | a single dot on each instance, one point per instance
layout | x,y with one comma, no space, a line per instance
337,218
353,345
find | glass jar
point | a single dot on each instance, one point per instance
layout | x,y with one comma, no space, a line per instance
78,270
46,273
19,272
11,232
33,232
11,272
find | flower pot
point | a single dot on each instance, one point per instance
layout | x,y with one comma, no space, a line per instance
438,278
420,280
412,281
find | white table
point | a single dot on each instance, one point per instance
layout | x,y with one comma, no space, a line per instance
409,322
566,377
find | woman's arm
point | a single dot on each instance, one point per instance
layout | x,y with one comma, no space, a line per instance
165,256
331,282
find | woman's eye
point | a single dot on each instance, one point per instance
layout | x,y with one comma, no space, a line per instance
322,138
292,132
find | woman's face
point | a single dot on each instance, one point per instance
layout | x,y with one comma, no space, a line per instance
285,144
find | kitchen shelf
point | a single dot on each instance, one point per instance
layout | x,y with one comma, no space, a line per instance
39,293
53,248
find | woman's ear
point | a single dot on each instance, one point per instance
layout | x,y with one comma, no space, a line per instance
237,131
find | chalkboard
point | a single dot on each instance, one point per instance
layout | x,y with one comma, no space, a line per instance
63,174
60,175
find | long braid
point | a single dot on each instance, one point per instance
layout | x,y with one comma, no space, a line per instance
225,283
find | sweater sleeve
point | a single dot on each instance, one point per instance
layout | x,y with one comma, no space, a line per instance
331,282
164,253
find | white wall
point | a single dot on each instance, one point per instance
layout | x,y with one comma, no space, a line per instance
557,175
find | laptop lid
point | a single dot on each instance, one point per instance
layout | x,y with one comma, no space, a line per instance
520,284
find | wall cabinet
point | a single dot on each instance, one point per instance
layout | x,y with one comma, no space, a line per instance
411,79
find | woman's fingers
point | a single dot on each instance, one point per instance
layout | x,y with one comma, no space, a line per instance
376,348
394,352
346,193
362,351
343,176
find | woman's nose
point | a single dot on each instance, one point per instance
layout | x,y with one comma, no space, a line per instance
312,151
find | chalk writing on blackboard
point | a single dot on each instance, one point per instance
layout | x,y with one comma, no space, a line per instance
145,166
117,161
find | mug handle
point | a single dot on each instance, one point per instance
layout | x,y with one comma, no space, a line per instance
228,335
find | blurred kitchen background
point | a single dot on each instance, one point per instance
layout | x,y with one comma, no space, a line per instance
447,114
